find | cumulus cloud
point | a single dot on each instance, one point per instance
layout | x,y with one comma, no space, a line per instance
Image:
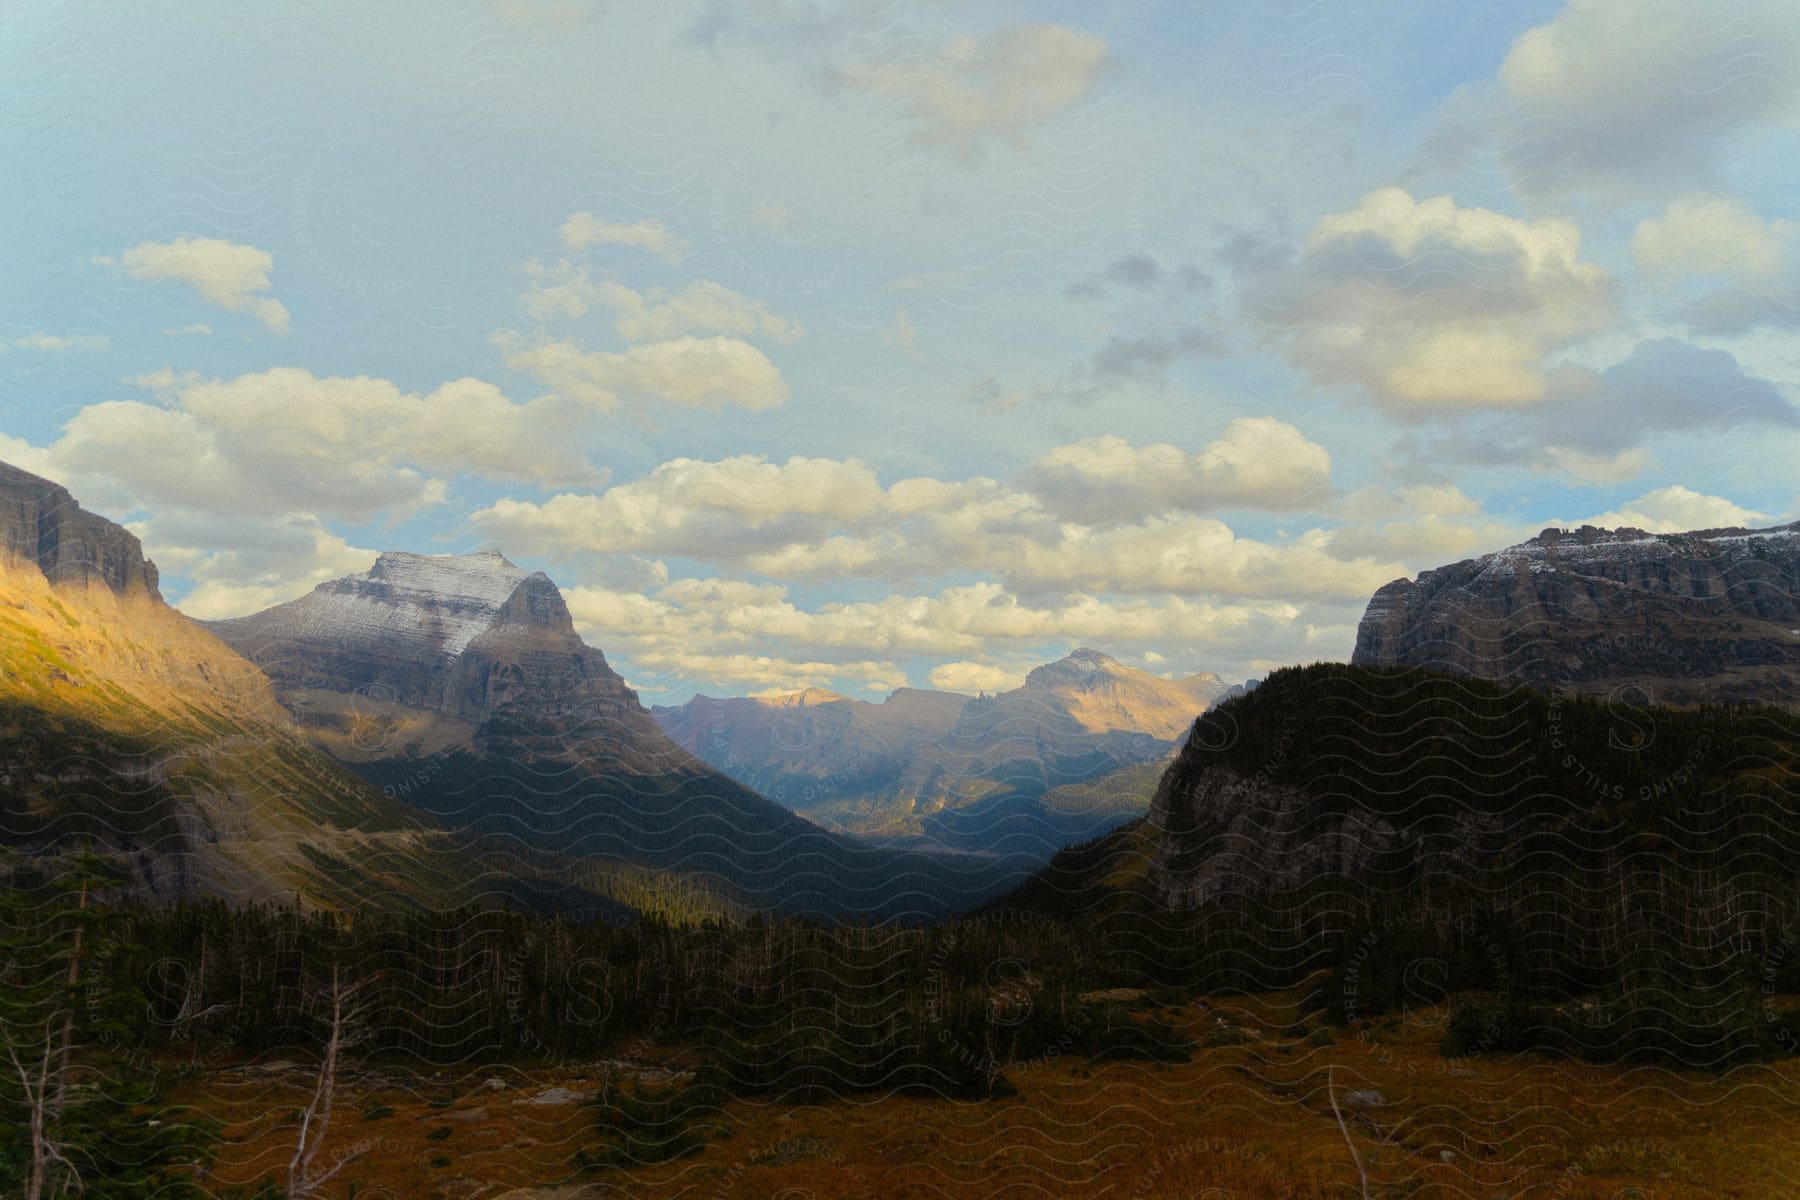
1258,462
1596,425
287,440
810,518
973,677
235,277
565,290
1730,269
237,566
718,511
583,231
1675,509
1708,235
688,624
1421,525
688,372
1624,98
1431,306
1663,386
972,90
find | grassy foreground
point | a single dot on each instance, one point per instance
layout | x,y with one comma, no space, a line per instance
1251,1116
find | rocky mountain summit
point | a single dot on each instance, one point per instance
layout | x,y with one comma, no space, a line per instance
971,772
1681,618
42,525
128,728
461,638
458,683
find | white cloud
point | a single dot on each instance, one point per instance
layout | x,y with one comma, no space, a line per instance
286,441
973,677
233,276
1624,98
239,567
973,89
583,230
699,307
1424,525
564,290
1596,468
1258,462
1730,269
1675,509
712,617
721,511
54,343
1431,306
1708,235
835,519
775,218
689,372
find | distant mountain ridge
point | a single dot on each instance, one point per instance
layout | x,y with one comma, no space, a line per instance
1684,618
458,682
967,772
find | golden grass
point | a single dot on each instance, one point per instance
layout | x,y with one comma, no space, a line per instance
1250,1120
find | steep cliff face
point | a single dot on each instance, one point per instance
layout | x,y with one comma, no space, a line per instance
126,726
1679,618
463,637
1333,789
42,525
976,774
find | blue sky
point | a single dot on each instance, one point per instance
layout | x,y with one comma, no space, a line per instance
871,344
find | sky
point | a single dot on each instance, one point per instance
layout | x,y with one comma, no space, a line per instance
870,345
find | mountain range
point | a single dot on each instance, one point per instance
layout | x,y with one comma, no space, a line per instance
127,728
458,683
433,732
1020,770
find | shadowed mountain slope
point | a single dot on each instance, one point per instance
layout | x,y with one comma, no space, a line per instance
1569,830
127,727
458,684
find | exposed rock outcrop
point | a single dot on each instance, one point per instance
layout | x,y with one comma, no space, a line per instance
41,524
464,637
1679,618
126,727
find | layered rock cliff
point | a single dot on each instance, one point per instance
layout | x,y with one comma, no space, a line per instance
42,525
460,639
1333,791
127,727
1679,618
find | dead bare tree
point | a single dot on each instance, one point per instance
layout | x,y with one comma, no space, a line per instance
1331,1095
41,1088
305,1175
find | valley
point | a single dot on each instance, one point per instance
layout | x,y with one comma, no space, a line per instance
1248,1117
